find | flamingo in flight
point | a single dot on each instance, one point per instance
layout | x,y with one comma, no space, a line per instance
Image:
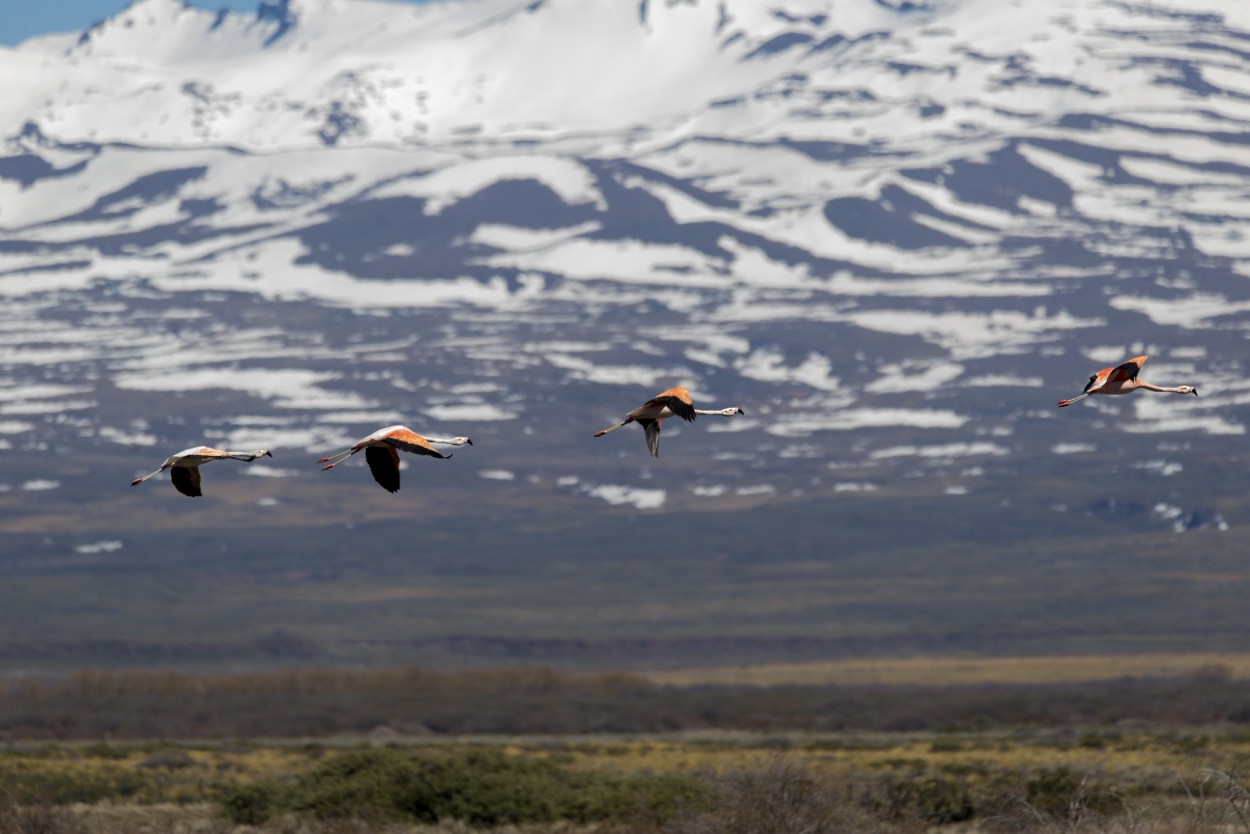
184,467
675,402
1123,380
382,452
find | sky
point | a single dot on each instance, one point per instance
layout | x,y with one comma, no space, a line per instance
22,19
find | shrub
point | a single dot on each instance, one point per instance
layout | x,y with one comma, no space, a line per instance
483,787
252,804
34,786
104,750
1063,793
169,760
778,797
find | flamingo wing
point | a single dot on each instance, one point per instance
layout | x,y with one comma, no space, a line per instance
384,464
186,480
1128,371
652,430
677,400
410,441
422,448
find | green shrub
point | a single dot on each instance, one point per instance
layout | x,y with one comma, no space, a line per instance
946,745
481,787
935,800
104,750
253,803
38,786
169,760
1063,793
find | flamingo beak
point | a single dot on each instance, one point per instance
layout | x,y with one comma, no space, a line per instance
1195,392
470,442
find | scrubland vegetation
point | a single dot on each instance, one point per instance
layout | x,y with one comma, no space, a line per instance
1078,781
534,750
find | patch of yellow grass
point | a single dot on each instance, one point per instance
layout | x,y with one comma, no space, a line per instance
1138,760
143,773
959,670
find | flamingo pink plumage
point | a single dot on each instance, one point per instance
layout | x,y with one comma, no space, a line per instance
1123,380
184,467
382,452
675,402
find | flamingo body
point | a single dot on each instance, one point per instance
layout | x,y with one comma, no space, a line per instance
184,467
382,450
1123,379
675,402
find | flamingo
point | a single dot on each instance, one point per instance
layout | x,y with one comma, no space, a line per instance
675,402
382,455
1123,380
184,467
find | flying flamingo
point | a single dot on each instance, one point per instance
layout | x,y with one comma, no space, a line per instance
184,467
675,402
1123,380
382,452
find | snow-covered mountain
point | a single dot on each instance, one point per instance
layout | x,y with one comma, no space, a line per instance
895,232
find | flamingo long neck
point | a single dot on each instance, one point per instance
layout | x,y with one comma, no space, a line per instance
1141,383
624,422
724,412
453,441
138,481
